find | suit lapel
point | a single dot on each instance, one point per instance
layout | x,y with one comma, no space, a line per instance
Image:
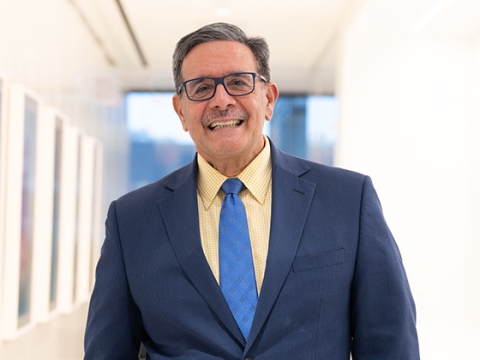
290,195
179,210
291,199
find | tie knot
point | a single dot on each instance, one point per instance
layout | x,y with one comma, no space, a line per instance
232,186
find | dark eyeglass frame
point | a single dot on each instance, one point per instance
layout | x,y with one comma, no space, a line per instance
221,80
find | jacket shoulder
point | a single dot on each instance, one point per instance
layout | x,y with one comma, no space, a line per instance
317,172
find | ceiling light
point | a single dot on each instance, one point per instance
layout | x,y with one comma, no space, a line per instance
431,14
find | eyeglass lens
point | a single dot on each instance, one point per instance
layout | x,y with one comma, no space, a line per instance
235,84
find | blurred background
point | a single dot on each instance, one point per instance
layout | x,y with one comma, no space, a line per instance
388,88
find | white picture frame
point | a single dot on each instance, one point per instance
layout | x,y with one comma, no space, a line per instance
67,219
46,258
22,161
3,182
85,215
60,170
98,215
79,218
52,188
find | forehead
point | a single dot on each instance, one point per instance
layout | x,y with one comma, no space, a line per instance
218,58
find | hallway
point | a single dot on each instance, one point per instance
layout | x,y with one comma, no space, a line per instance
59,339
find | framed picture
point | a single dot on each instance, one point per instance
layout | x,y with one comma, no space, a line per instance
85,215
59,169
97,211
47,209
3,144
78,225
67,217
22,159
3,181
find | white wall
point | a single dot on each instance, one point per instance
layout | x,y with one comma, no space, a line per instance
45,46
410,106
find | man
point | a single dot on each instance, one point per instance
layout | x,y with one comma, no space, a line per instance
328,279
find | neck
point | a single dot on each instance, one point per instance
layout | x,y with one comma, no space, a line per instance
232,166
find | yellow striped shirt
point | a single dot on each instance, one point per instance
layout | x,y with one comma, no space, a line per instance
257,198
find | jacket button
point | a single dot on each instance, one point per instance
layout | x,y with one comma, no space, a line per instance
248,358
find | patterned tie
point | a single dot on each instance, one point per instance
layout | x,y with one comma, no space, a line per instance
237,277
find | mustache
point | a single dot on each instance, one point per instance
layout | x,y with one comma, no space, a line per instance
227,113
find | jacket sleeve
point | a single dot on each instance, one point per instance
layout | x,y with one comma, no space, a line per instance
114,326
383,310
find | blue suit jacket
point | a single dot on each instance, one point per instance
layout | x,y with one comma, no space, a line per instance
334,280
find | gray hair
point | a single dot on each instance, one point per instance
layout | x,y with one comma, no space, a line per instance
218,32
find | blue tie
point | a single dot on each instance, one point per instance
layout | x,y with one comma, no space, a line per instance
237,276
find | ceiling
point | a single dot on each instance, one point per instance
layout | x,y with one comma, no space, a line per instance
138,37
158,24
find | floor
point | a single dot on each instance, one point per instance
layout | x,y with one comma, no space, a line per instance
59,339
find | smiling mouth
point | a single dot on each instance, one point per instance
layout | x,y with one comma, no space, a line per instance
219,125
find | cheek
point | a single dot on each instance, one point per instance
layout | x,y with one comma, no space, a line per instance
186,118
192,120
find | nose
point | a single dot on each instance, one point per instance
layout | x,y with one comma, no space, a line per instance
222,99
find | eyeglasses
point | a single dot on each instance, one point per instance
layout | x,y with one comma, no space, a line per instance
204,88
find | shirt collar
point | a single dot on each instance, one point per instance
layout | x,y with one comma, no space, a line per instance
256,177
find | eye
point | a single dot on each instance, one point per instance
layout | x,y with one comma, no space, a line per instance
200,88
239,82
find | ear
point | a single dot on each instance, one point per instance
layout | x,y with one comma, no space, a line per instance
272,94
177,106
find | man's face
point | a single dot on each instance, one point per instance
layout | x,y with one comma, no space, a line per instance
242,117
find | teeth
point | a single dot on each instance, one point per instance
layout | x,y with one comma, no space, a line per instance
225,124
